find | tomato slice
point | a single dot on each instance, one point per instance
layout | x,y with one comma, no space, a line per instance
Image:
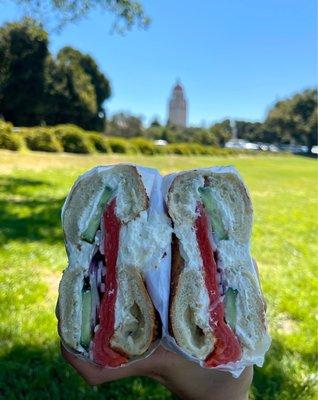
102,352
227,347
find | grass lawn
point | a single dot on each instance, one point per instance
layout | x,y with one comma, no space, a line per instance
32,189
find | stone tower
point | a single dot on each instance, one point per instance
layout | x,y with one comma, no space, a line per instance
177,107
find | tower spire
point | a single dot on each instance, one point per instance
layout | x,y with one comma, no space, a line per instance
177,106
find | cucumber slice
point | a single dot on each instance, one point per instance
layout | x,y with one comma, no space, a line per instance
86,318
230,307
89,233
214,213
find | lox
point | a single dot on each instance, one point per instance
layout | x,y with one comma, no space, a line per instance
120,286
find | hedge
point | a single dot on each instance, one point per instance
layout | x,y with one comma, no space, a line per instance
120,145
75,142
10,141
99,143
73,139
5,127
145,146
60,130
42,139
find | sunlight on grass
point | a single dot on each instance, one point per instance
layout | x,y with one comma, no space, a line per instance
32,189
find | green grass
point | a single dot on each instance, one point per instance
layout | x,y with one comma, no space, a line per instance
32,189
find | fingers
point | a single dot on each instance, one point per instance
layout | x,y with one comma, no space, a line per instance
95,375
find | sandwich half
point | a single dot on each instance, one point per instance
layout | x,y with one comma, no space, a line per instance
104,310
217,311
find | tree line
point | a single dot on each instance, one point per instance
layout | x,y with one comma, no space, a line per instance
289,121
38,88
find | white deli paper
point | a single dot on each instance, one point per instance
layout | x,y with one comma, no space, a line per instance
235,368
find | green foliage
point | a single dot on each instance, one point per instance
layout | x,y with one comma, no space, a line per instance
67,89
295,119
119,145
5,127
182,149
188,149
289,121
127,13
42,139
181,135
251,131
70,94
59,130
144,146
23,52
99,142
74,141
222,132
10,141
76,90
124,125
155,123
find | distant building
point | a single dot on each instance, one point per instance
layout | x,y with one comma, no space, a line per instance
177,107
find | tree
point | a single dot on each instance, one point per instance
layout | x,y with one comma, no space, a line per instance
155,123
295,120
76,90
70,95
23,53
35,88
128,13
222,132
125,125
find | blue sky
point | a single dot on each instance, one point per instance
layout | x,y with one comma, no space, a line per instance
234,57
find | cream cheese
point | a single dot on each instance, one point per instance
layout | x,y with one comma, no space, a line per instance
188,245
143,241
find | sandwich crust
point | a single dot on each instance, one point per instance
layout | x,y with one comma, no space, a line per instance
137,327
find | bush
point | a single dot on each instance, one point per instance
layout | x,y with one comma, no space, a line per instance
75,142
181,149
42,139
10,141
198,149
121,146
144,146
60,130
99,142
188,149
5,127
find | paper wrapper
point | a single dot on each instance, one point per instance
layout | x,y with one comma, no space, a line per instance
157,276
235,368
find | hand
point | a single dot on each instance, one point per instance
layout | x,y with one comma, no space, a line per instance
186,379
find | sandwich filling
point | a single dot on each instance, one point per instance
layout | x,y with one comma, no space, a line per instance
102,351
227,347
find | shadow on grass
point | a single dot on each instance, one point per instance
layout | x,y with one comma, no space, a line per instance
28,219
12,185
36,373
276,379
31,220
